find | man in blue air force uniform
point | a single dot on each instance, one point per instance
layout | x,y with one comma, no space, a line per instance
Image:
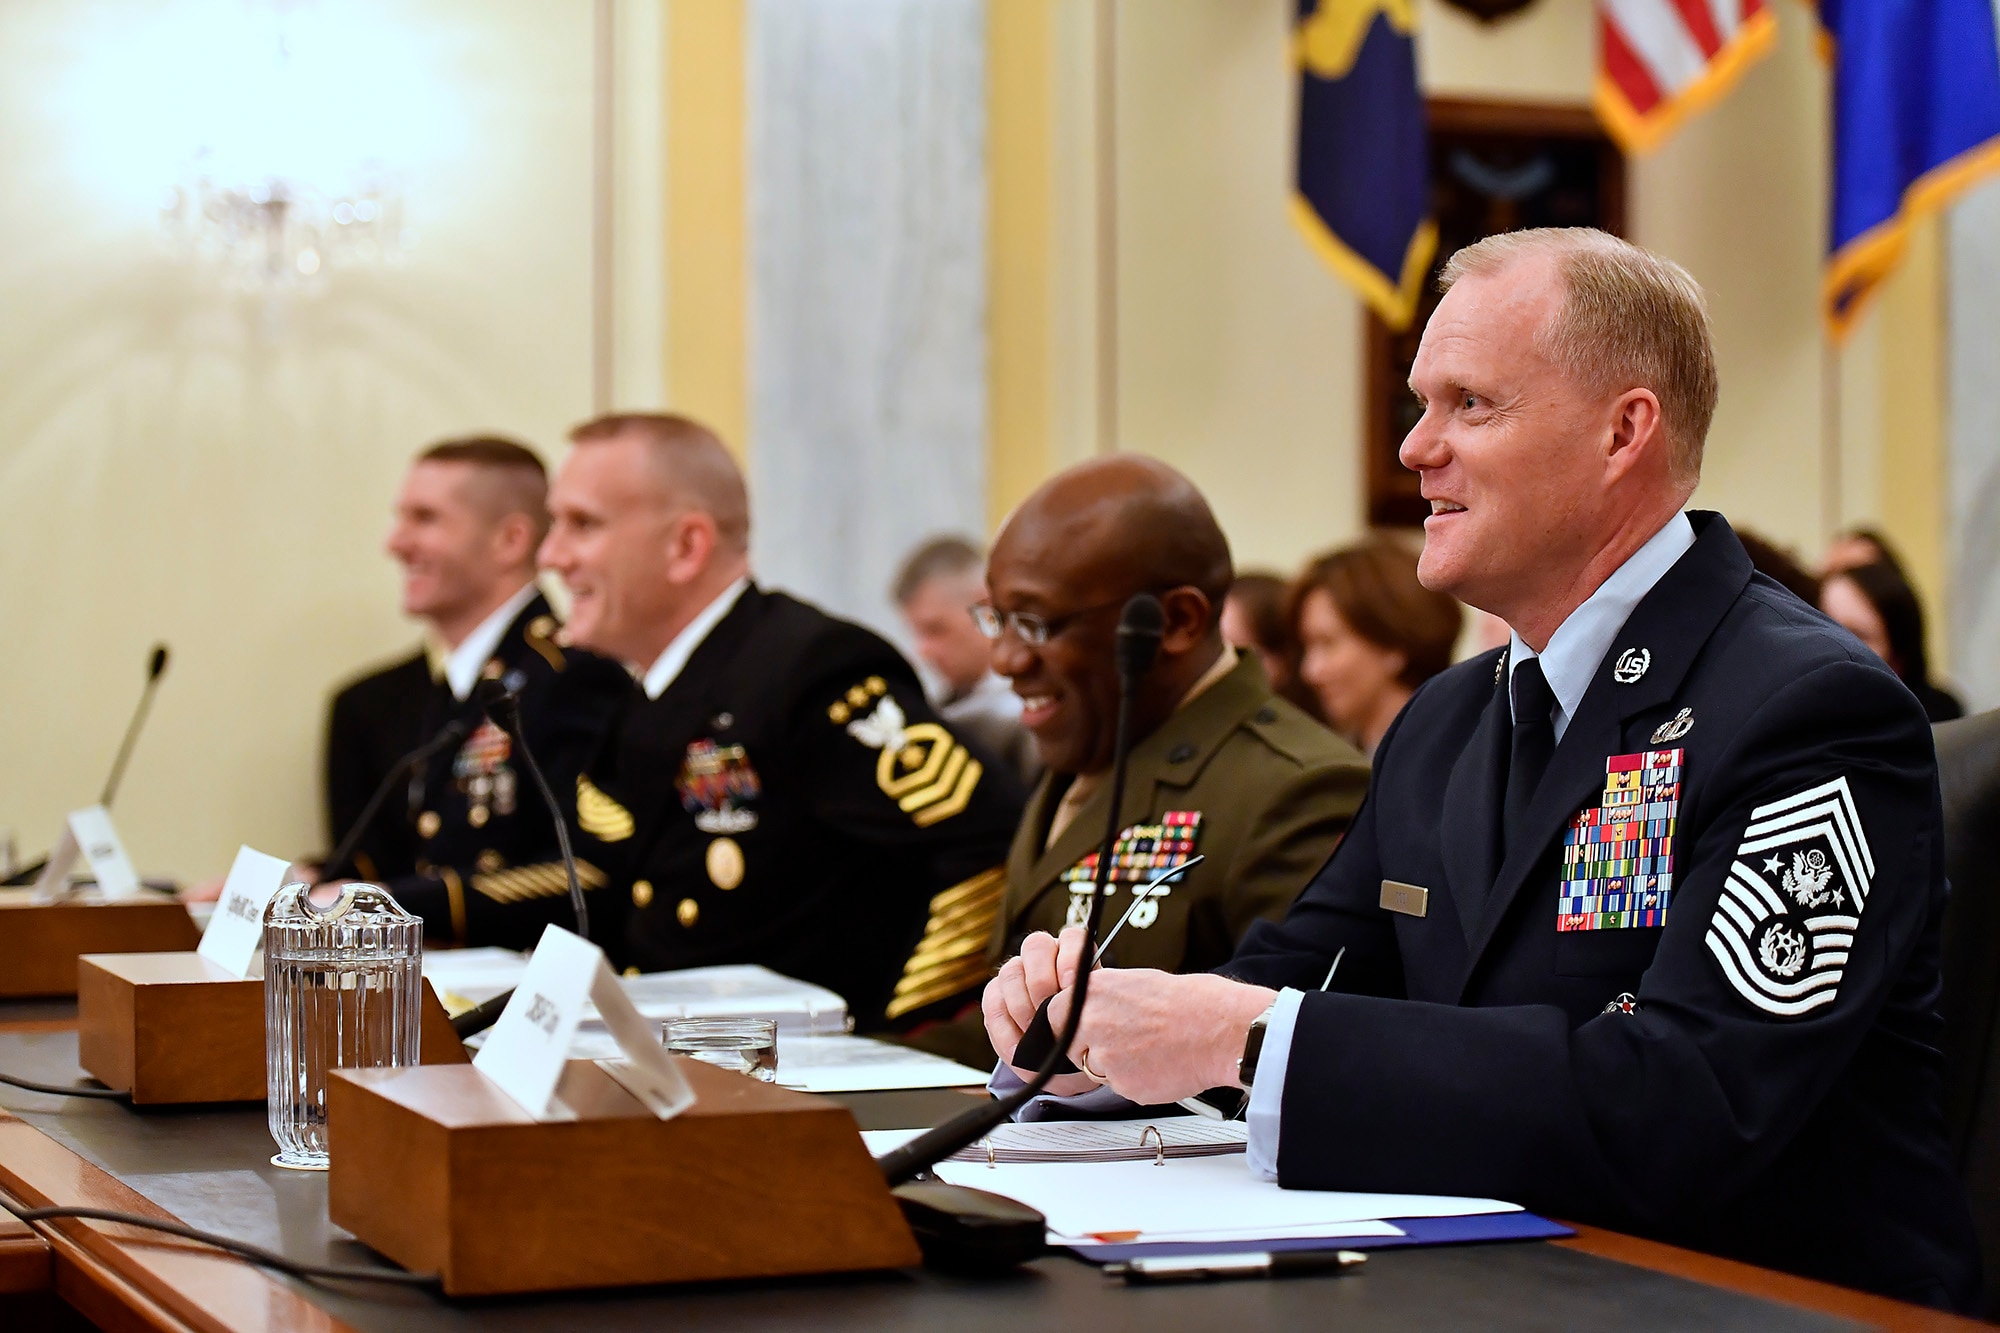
1639,924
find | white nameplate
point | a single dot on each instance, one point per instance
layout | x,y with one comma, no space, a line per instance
89,831
525,1053
234,940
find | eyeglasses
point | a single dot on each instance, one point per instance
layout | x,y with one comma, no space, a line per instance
1028,627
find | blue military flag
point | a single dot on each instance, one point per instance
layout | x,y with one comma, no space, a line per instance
1916,112
1363,197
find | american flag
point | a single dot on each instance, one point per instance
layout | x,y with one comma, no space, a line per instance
1659,61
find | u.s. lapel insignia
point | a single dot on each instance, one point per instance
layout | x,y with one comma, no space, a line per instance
1141,851
541,636
599,815
715,783
921,767
1618,855
1631,665
1793,899
1679,725
1625,1003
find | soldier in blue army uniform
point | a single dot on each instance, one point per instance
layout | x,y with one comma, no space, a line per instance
469,846
778,791
1639,925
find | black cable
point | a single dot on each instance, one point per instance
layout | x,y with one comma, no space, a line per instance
242,1249
64,1089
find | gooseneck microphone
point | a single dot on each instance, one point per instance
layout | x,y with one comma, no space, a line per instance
503,707
156,666
452,733
1140,626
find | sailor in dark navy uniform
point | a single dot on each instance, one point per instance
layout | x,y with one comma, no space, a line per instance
466,844
777,791
1639,925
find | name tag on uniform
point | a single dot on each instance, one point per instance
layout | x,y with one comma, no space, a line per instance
1618,855
1409,899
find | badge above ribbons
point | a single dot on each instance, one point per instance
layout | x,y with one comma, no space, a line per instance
1140,851
922,768
1618,856
1793,900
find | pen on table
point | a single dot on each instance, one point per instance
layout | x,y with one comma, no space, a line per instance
1215,1267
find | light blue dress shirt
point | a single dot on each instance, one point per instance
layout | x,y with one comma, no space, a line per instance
1569,663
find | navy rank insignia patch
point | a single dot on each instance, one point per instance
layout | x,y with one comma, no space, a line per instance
599,815
1140,852
715,783
1618,855
1793,899
921,767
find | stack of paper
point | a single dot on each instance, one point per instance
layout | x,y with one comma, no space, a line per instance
1094,1206
467,978
739,991
1108,1140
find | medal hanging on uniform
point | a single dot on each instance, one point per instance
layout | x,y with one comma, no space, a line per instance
1141,851
715,783
1618,855
481,773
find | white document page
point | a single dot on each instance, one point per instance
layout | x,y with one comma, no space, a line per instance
234,937
1193,1194
862,1064
466,978
741,990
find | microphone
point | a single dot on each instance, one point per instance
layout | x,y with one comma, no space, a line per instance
948,1222
503,707
451,734
156,666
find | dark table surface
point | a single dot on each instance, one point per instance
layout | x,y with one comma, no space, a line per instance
211,1167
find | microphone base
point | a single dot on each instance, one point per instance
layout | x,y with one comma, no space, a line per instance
440,1171
40,943
970,1232
135,1011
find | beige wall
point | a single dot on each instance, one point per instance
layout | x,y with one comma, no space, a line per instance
181,464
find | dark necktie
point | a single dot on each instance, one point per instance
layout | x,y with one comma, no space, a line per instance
1534,742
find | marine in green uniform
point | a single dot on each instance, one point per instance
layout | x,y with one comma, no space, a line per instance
777,791
1223,768
467,845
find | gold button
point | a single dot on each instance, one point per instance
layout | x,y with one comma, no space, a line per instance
428,824
689,912
490,861
725,863
642,892
476,816
631,971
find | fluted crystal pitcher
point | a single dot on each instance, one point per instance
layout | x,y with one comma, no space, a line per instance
343,989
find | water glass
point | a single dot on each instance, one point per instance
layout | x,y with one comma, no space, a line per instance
343,989
741,1045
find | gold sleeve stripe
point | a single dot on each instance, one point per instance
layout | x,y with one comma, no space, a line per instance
544,879
960,797
951,957
454,892
600,816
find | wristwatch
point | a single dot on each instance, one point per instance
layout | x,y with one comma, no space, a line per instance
1253,1046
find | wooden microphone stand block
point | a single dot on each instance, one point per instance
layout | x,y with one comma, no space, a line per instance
440,1171
173,1028
41,942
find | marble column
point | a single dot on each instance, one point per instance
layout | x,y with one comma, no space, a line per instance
867,164
1973,298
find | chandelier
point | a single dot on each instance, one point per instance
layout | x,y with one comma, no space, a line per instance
275,234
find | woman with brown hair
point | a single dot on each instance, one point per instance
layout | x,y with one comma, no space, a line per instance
1369,634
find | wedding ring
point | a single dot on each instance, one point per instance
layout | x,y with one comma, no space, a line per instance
1083,1063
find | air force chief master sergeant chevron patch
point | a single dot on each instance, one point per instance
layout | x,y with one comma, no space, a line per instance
1793,900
